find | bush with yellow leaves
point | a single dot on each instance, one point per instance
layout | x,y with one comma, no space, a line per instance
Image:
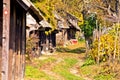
106,48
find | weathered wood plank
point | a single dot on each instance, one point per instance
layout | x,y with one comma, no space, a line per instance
23,45
5,41
18,34
1,15
12,41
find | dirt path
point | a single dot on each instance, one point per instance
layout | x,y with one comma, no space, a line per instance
75,70
48,70
73,52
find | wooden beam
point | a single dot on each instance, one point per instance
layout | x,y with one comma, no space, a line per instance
11,68
1,26
5,41
23,45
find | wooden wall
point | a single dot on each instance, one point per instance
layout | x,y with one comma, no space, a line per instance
71,33
42,43
62,37
1,15
17,42
53,39
5,40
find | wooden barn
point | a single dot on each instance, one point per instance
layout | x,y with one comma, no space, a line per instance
40,30
68,28
62,27
44,36
74,29
31,26
13,37
53,38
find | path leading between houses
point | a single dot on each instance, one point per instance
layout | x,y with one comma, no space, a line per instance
64,64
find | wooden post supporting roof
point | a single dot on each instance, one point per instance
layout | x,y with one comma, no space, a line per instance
1,21
5,40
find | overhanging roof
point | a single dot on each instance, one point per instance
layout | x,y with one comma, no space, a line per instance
31,22
74,23
45,24
29,7
72,17
62,23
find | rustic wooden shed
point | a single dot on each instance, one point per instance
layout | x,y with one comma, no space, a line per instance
31,25
73,24
68,28
62,27
43,36
13,37
40,29
53,37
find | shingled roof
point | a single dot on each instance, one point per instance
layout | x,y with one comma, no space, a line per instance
72,20
29,7
62,23
31,22
34,16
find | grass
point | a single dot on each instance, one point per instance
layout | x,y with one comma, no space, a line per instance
61,64
33,70
63,69
88,61
41,62
77,49
36,74
95,72
104,77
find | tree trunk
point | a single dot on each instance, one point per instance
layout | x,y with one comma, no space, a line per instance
87,47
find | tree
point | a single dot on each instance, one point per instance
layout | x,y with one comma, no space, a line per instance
88,27
108,10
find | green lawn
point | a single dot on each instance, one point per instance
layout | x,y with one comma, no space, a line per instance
58,66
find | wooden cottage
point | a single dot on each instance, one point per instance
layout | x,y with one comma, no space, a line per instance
31,26
74,29
53,38
44,36
62,27
40,30
68,28
13,37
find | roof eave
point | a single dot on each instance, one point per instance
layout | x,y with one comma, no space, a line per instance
29,7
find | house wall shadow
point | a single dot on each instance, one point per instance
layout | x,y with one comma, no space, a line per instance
67,50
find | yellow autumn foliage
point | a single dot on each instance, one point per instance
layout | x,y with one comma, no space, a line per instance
106,47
